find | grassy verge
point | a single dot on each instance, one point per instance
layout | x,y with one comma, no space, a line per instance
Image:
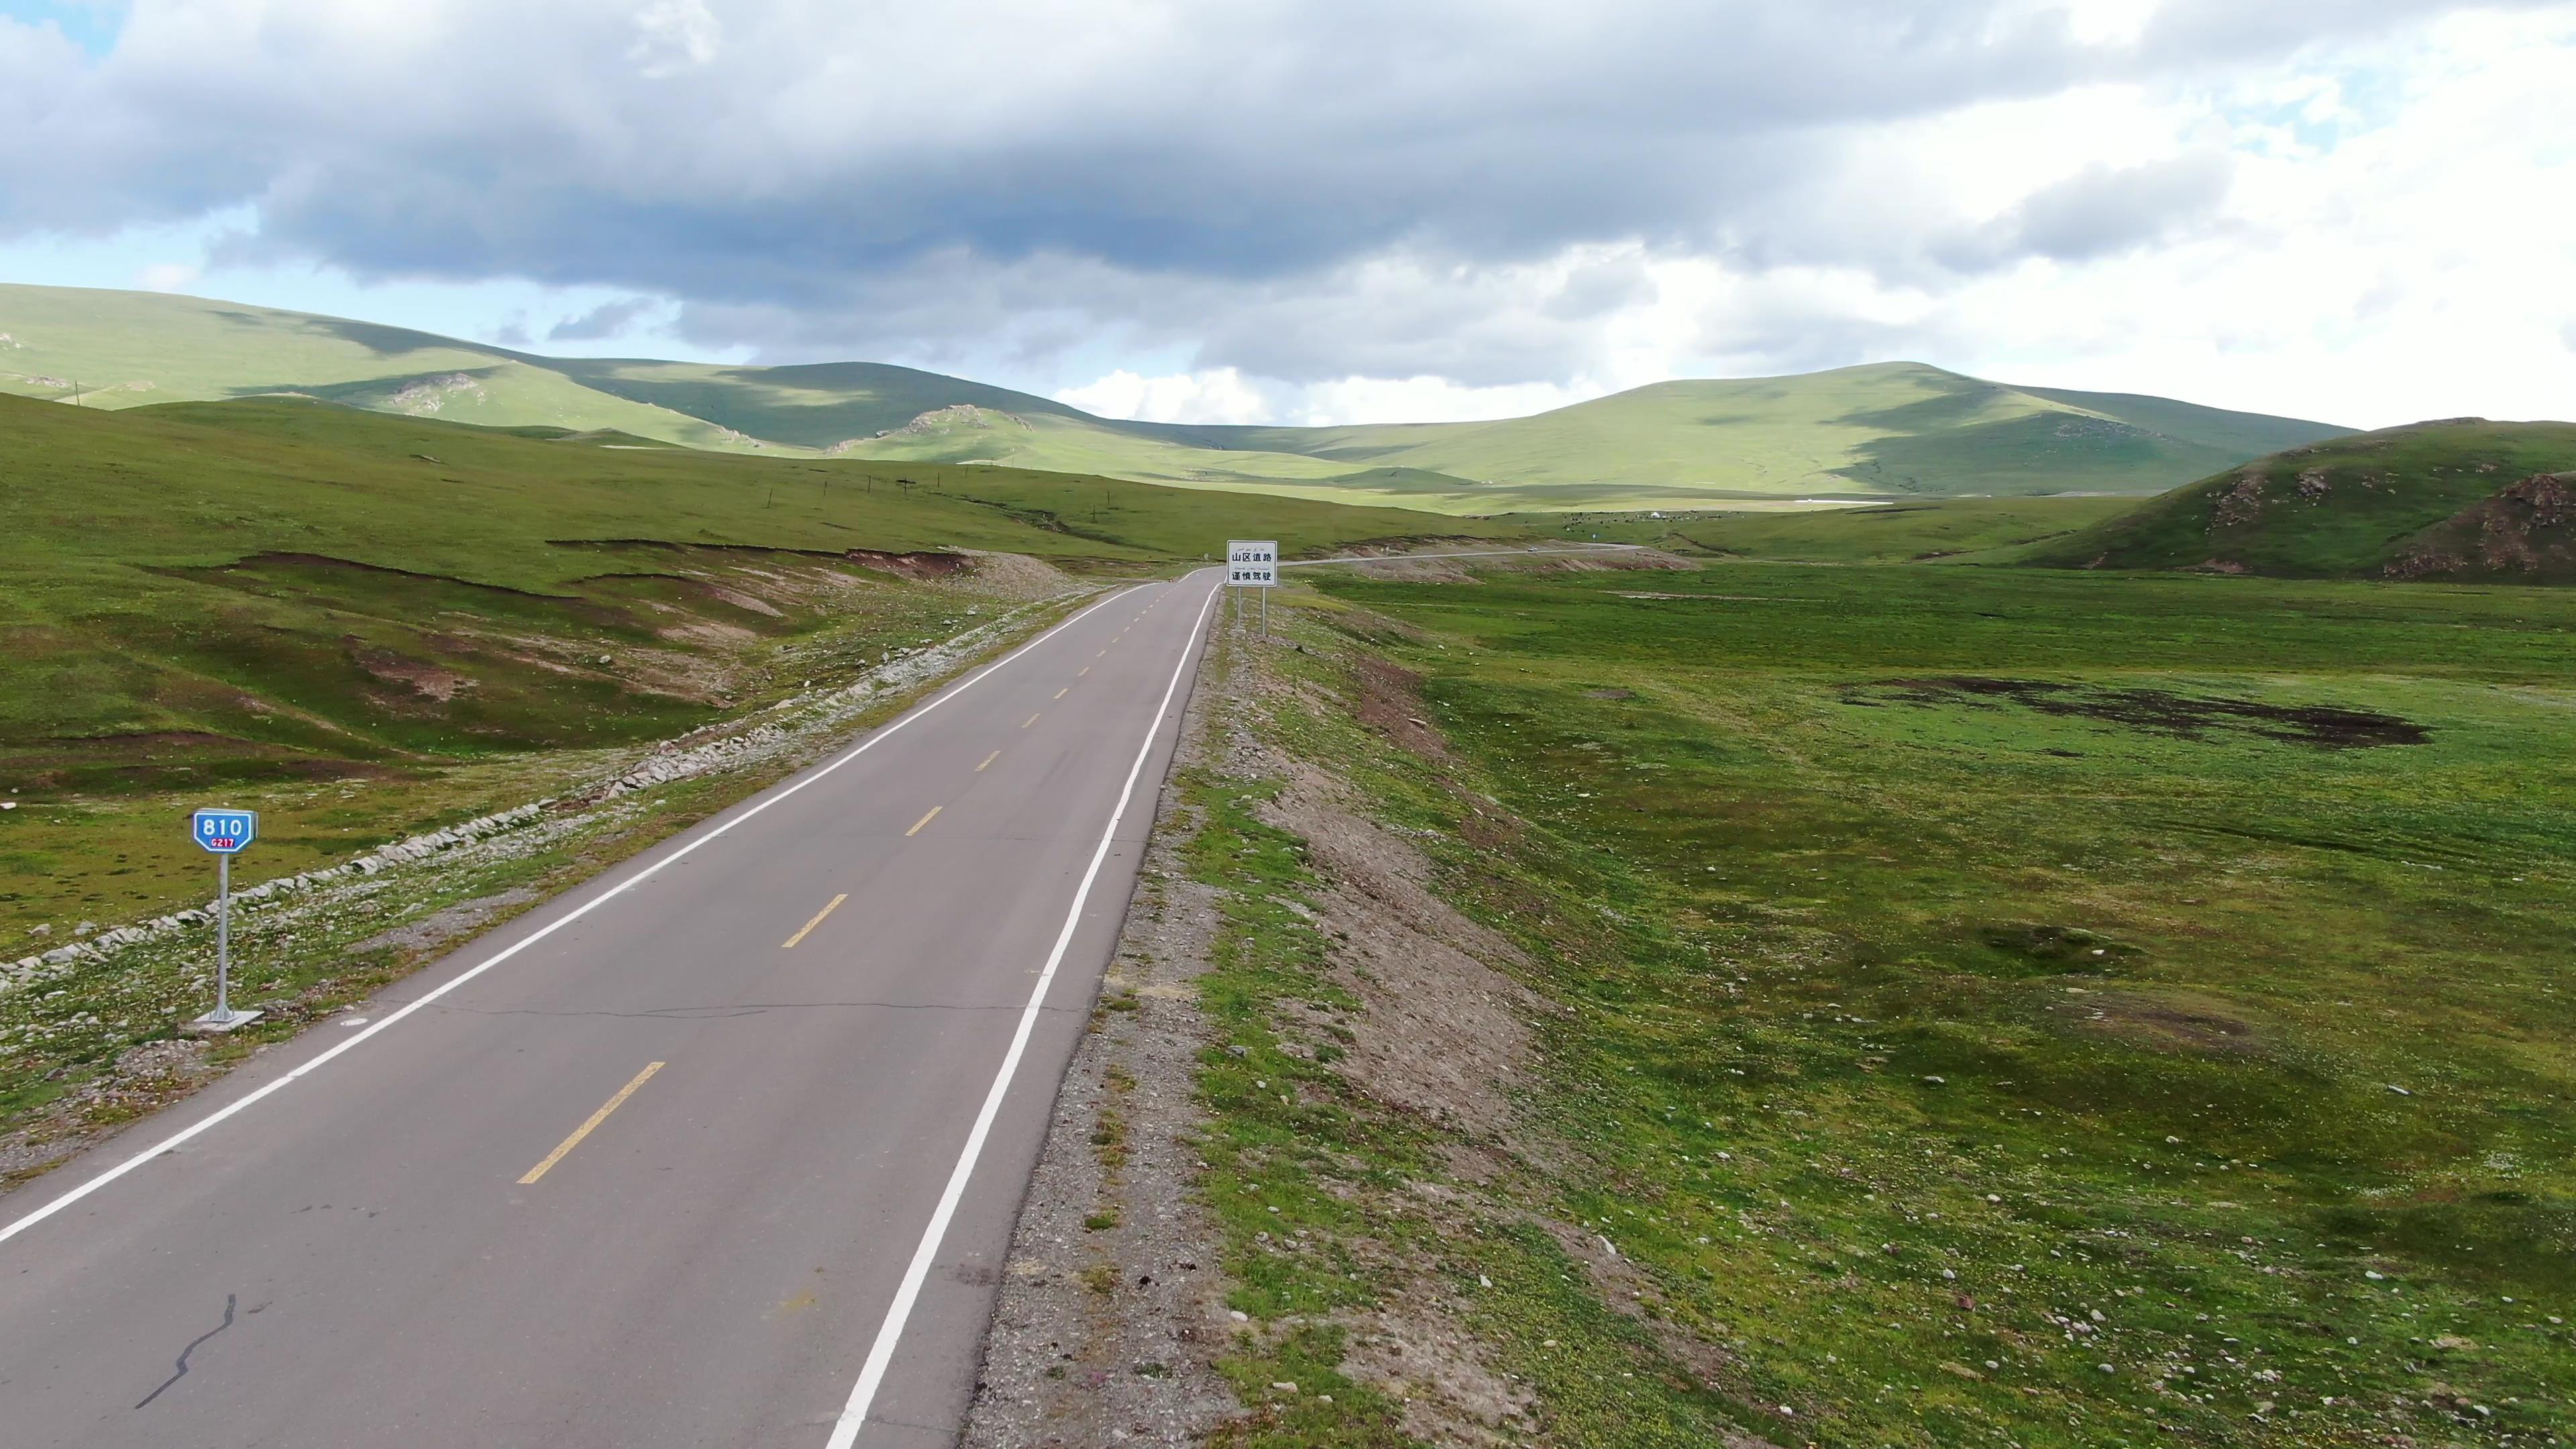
1905,530
1986,1008
1294,1157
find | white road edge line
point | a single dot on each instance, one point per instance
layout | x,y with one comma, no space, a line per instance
186,1135
881,1353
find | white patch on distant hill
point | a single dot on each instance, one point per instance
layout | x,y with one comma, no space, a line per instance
947,420
428,397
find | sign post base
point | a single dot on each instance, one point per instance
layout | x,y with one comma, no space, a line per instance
215,1024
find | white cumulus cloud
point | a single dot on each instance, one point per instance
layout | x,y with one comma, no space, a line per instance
1219,395
673,36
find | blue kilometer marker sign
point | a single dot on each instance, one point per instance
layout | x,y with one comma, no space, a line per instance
224,832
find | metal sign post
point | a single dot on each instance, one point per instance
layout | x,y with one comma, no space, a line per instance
224,833
1253,563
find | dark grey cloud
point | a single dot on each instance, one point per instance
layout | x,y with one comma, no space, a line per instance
2105,209
603,321
2098,212
1257,180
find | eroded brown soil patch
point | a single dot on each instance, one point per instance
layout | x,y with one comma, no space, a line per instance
1388,699
421,676
2156,710
915,565
2167,1021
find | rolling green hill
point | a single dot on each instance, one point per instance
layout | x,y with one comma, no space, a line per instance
129,349
1891,429
1896,427
2465,499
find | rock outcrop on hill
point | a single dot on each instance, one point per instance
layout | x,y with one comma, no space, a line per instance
2525,533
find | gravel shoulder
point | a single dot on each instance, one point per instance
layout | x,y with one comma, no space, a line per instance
1112,1314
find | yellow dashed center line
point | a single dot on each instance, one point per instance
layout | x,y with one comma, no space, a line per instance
1061,693
1086,669
790,942
924,820
1032,719
586,1128
988,759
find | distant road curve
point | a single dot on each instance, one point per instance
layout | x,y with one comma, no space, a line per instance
1307,563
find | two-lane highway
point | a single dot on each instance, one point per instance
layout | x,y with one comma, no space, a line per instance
721,1149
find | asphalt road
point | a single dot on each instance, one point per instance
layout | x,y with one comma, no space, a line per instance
683,1158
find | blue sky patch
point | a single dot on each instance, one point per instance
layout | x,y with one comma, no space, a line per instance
93,25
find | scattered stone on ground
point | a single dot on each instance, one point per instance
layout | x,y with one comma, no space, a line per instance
442,926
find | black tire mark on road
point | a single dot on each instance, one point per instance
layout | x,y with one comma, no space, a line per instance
192,1348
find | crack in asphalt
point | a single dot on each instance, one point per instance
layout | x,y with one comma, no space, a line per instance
193,1344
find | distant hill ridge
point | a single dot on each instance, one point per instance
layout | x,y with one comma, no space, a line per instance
1898,429
2463,499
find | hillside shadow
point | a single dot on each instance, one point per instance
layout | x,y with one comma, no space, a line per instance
1956,405
366,391
381,340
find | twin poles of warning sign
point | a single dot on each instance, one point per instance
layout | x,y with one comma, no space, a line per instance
1253,563
224,833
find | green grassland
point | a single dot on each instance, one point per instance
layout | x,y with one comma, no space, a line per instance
1898,429
270,595
2414,502
1993,1005
1930,530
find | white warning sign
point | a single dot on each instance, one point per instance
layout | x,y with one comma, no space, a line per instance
1252,563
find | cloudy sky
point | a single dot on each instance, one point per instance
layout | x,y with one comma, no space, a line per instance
2362,211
